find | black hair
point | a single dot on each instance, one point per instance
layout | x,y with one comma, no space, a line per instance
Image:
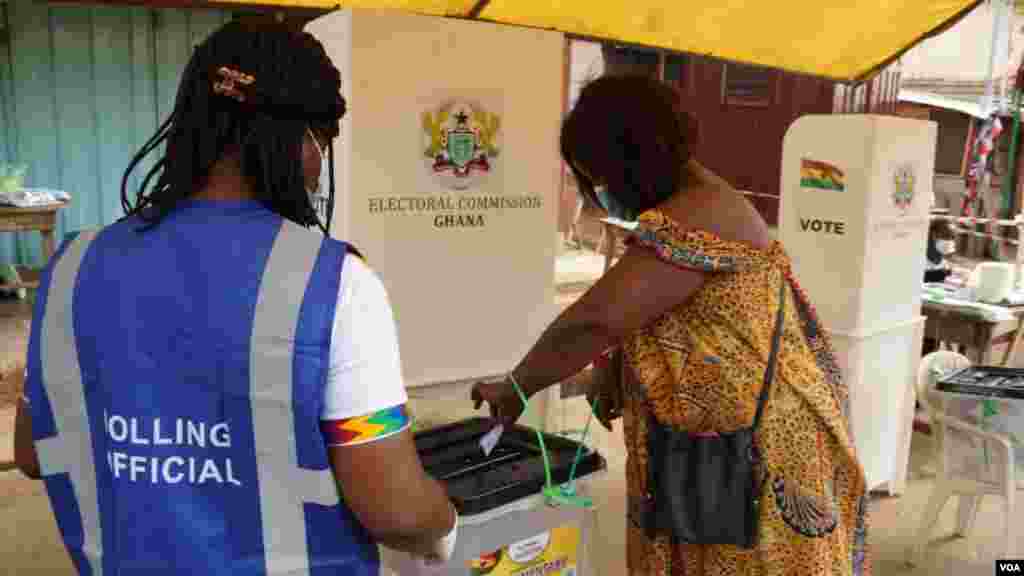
939,229
630,133
251,88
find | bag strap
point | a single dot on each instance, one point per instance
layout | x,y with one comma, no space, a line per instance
773,356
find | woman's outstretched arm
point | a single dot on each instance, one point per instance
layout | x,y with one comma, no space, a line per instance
634,292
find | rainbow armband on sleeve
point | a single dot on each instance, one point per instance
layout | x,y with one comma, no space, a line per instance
366,428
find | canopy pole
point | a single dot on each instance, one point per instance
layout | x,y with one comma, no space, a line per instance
997,24
1010,179
988,103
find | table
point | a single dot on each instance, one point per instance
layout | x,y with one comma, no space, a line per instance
954,325
42,219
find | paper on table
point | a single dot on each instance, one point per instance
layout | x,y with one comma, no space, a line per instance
989,312
33,197
1016,298
490,440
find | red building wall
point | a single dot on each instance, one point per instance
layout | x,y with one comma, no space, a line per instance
743,142
744,114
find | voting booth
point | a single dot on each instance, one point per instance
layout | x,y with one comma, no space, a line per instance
446,176
856,193
447,179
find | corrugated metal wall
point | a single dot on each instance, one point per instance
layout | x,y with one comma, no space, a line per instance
81,89
880,95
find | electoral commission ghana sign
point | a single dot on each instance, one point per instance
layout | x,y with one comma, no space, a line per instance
461,151
450,172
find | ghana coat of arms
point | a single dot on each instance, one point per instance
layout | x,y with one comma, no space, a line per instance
461,143
903,188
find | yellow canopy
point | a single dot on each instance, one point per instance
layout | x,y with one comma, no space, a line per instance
844,40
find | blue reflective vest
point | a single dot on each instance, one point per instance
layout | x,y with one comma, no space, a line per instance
176,379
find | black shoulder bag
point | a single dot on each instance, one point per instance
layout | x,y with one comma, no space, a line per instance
704,489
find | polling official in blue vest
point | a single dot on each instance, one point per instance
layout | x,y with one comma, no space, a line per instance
213,386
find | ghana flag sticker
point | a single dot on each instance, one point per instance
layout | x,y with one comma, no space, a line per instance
821,175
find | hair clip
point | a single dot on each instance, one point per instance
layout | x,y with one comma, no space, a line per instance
229,83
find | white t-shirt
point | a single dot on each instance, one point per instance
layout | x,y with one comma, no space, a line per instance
365,375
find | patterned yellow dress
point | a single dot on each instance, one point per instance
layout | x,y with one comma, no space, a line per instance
700,366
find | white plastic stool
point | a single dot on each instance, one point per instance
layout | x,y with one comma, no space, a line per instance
971,462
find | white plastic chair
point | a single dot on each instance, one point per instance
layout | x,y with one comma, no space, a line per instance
971,462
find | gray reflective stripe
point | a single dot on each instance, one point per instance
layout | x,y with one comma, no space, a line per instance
284,487
70,450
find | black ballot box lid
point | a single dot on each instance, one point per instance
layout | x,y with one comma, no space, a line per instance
984,381
514,469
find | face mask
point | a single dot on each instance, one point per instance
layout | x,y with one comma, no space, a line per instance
318,197
614,208
945,247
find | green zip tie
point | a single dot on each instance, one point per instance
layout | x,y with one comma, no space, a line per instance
579,449
540,437
558,494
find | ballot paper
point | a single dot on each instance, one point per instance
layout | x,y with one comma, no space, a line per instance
490,440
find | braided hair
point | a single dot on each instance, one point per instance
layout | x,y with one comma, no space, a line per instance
251,88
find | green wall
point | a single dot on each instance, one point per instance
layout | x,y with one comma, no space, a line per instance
81,89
